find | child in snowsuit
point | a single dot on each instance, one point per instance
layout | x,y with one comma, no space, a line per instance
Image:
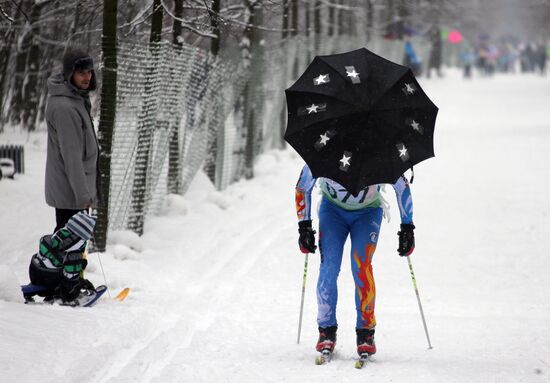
59,261
342,214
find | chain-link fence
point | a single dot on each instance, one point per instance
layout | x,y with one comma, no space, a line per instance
170,99
180,109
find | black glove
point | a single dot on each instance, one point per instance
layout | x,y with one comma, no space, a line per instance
406,239
307,237
69,289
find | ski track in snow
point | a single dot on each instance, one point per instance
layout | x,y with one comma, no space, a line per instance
137,362
216,286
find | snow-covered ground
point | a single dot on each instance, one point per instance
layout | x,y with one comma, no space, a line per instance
216,279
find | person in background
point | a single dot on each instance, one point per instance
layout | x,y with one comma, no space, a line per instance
410,58
436,52
468,58
72,172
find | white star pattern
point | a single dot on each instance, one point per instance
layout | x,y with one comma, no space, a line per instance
322,79
352,74
403,151
409,88
345,160
324,139
312,109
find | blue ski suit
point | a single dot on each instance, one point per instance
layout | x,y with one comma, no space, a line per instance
342,214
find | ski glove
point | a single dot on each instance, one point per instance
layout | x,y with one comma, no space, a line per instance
406,239
307,237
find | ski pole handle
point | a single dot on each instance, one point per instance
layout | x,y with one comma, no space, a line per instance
419,303
303,295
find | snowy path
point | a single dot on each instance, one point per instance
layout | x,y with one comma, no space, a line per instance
216,280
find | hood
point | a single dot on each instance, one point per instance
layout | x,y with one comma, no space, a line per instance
71,62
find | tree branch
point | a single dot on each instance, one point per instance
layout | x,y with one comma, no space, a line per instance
20,10
10,19
184,23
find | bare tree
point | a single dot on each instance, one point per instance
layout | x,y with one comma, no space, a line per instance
250,49
107,117
317,25
284,36
31,91
174,151
295,30
214,13
145,130
370,19
5,55
210,164
18,79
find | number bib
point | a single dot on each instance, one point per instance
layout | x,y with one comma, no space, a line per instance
368,197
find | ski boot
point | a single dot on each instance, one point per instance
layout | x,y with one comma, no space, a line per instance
325,344
365,341
365,346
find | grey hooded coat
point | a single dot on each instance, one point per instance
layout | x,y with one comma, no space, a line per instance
71,164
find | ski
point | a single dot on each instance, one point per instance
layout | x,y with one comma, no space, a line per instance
324,358
362,361
122,294
86,300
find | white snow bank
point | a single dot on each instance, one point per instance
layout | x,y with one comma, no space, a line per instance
9,285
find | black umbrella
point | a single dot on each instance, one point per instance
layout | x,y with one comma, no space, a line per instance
359,119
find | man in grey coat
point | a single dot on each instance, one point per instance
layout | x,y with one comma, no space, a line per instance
72,173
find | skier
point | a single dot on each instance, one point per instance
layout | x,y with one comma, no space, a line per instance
58,263
342,214
410,59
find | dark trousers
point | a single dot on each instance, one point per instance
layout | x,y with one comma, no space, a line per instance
62,216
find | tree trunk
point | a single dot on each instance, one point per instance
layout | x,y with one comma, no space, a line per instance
107,117
370,19
331,20
340,23
75,25
215,25
210,164
390,19
5,55
174,151
140,192
295,18
404,13
317,25
18,80
31,96
177,28
285,33
250,45
307,12
284,36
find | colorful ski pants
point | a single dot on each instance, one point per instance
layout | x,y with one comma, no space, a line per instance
335,224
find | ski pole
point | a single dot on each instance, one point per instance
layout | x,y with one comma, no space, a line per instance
103,272
302,303
419,304
100,263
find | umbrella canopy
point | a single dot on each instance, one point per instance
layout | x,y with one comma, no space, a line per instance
359,119
455,36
